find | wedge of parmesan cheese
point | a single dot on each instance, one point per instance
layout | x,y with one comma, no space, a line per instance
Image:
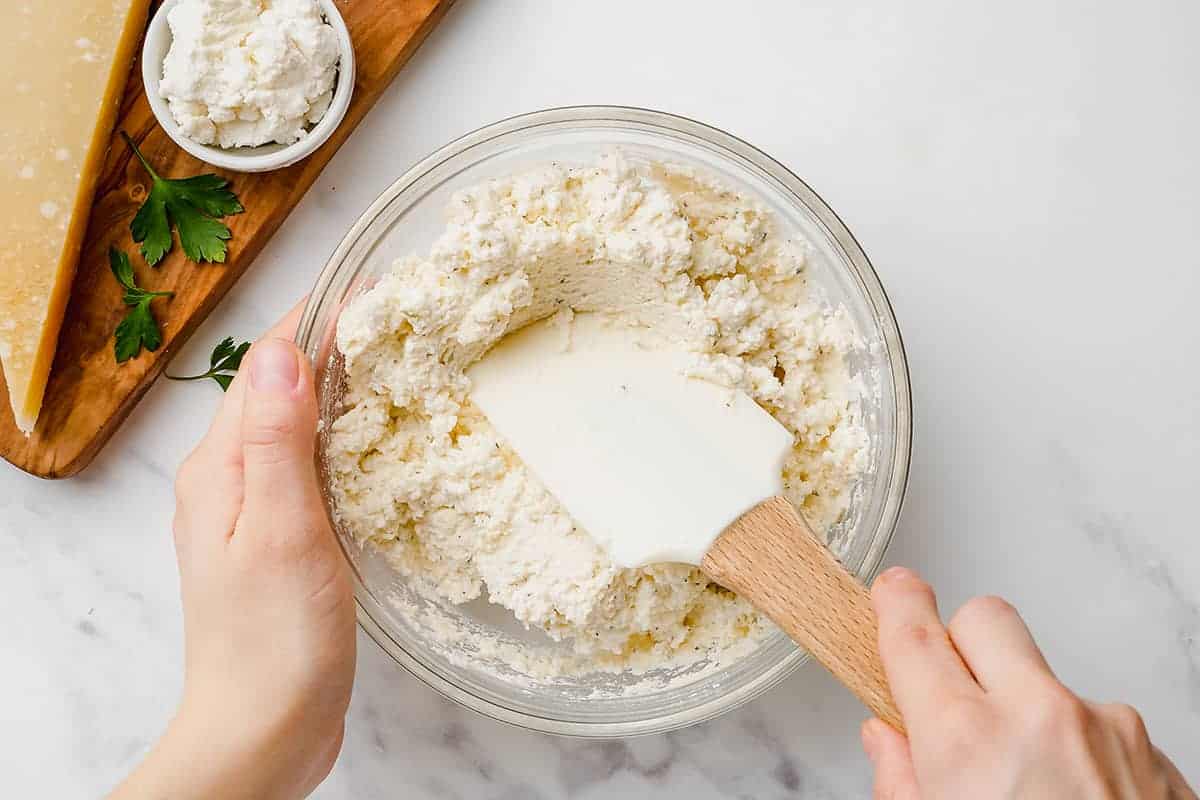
64,64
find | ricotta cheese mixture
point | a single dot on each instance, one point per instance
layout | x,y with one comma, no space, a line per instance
242,73
419,473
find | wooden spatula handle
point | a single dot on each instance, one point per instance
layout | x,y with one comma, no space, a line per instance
772,558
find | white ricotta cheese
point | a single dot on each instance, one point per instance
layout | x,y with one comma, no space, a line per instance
419,473
242,73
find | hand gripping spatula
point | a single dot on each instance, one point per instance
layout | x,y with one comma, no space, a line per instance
660,467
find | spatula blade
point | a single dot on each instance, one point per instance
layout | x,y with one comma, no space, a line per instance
653,464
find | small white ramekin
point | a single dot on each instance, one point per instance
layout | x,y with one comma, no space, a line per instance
266,157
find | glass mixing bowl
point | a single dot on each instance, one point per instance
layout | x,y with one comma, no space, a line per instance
407,218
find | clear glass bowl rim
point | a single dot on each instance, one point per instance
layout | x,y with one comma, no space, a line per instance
309,338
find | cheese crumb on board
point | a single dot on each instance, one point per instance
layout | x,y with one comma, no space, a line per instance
68,61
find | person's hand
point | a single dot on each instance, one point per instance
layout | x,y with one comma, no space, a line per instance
986,718
267,605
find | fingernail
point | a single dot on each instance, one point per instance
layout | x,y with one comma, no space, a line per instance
897,574
870,738
273,367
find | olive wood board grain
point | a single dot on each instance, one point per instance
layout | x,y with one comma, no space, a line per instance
89,394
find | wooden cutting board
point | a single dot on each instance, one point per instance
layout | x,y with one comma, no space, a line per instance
89,394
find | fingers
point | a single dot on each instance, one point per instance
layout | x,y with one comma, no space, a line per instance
925,671
996,645
208,497
888,750
209,485
279,420
225,435
1179,785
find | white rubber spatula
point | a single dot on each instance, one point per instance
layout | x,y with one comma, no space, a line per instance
660,467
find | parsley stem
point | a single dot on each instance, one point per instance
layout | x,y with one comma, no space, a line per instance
139,155
226,359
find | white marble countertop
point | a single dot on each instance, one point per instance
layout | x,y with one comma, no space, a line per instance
1025,177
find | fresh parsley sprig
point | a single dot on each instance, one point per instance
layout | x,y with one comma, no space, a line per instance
193,205
139,328
225,361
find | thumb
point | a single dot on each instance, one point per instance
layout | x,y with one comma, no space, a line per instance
888,751
279,423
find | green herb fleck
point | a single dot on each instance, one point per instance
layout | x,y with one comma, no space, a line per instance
225,361
193,206
139,328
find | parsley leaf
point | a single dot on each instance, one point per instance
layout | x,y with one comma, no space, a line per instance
139,328
193,205
226,359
